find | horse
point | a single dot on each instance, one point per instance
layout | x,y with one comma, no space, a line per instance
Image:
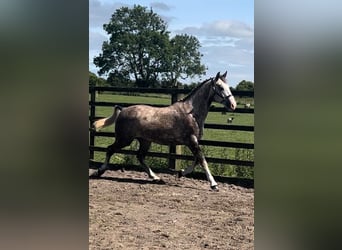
181,123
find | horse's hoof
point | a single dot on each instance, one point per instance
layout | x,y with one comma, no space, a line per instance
180,174
94,175
214,188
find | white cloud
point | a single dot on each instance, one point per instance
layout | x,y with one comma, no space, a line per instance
228,28
217,41
238,62
226,45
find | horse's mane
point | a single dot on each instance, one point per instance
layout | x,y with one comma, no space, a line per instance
194,90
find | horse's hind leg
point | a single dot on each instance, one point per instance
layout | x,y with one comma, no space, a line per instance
118,144
100,171
144,146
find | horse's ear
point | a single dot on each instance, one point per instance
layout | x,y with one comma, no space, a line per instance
224,75
217,76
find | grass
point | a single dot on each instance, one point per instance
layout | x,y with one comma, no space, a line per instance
209,134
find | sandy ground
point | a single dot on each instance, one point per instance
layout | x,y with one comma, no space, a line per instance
129,211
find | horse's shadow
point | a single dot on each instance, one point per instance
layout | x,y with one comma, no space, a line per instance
130,180
245,183
144,182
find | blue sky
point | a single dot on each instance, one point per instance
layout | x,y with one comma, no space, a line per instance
225,29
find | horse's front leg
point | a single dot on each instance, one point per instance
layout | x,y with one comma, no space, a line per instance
210,178
199,157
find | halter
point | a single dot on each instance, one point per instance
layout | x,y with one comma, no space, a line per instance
217,92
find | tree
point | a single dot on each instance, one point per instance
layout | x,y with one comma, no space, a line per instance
94,80
137,38
183,58
245,85
139,47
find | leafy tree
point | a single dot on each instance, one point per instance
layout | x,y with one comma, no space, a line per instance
94,80
139,47
183,58
190,86
245,85
137,38
119,79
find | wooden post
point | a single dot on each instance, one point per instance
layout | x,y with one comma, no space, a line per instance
173,163
91,120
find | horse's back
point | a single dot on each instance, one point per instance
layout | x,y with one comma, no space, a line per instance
167,125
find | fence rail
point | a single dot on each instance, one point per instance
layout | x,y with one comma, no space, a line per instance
201,142
173,155
171,91
212,109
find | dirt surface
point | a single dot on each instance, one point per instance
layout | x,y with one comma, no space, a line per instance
129,211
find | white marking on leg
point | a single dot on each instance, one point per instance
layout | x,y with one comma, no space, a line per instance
153,175
150,173
199,155
208,174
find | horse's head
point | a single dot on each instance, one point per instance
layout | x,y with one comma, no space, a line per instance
222,92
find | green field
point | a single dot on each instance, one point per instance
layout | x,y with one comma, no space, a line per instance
209,134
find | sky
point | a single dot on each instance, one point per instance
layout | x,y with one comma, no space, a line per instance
225,29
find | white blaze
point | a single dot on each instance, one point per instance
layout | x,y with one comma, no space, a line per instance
227,92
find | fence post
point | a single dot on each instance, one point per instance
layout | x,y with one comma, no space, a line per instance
92,116
173,163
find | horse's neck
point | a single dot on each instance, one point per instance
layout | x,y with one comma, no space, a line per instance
201,101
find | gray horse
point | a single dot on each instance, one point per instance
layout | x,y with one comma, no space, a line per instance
178,124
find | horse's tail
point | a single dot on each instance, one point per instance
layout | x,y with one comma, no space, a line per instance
104,122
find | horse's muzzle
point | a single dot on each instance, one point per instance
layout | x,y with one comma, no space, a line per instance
229,103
